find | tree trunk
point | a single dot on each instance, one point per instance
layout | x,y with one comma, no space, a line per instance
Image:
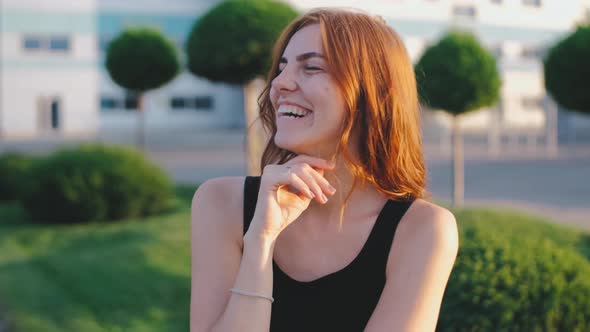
255,136
494,135
551,143
458,172
140,123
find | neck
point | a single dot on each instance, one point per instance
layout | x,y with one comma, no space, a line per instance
364,200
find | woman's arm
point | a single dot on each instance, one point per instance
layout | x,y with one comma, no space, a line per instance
420,262
219,263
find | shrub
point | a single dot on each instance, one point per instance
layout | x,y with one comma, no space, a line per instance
13,167
94,183
566,68
511,276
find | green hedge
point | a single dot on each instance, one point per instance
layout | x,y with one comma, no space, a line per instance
13,167
513,274
95,183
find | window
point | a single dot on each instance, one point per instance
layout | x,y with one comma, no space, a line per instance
54,114
191,103
130,102
46,43
59,43
204,103
532,3
31,43
464,11
177,102
108,103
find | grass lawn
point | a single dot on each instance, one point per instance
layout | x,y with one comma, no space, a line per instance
125,276
135,275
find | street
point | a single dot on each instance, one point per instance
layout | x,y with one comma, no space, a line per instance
557,188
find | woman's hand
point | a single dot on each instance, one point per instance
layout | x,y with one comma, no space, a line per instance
286,191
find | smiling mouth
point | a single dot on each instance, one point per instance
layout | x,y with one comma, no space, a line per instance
291,115
293,112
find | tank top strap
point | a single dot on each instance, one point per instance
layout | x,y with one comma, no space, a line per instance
380,239
376,251
251,188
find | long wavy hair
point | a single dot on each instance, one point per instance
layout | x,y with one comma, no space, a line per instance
369,63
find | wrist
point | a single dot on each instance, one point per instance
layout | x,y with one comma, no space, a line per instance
257,251
257,240
258,234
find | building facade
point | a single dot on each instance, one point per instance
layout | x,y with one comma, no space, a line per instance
53,80
188,102
48,68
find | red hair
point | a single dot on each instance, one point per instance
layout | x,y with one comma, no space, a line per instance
369,63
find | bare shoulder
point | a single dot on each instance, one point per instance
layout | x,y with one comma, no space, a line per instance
424,217
222,190
426,230
219,201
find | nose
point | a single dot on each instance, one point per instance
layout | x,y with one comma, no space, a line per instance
284,81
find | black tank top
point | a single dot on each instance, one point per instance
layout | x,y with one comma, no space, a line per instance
343,300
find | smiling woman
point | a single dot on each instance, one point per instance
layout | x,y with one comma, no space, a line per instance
336,235
316,132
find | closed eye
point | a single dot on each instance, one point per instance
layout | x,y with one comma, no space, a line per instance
306,68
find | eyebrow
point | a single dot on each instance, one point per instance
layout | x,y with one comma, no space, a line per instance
304,56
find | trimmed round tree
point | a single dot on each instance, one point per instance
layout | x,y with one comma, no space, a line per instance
232,43
567,69
458,75
141,59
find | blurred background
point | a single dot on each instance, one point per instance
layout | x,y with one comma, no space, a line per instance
525,153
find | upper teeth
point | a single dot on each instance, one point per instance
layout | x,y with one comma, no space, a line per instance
285,109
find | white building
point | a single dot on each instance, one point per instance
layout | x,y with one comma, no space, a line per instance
54,82
53,79
48,68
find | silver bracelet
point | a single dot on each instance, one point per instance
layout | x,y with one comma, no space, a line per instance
241,292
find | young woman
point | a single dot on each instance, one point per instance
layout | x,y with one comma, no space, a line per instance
336,234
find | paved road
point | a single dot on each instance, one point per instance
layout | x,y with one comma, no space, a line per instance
558,188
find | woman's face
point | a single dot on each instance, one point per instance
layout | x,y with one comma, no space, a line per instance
308,105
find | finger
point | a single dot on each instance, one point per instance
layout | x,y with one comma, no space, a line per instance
312,161
323,182
296,182
305,173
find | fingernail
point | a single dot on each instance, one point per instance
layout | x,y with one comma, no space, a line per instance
324,198
332,189
311,194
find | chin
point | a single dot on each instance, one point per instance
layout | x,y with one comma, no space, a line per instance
288,144
299,147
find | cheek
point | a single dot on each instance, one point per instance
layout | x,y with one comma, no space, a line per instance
335,101
273,97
